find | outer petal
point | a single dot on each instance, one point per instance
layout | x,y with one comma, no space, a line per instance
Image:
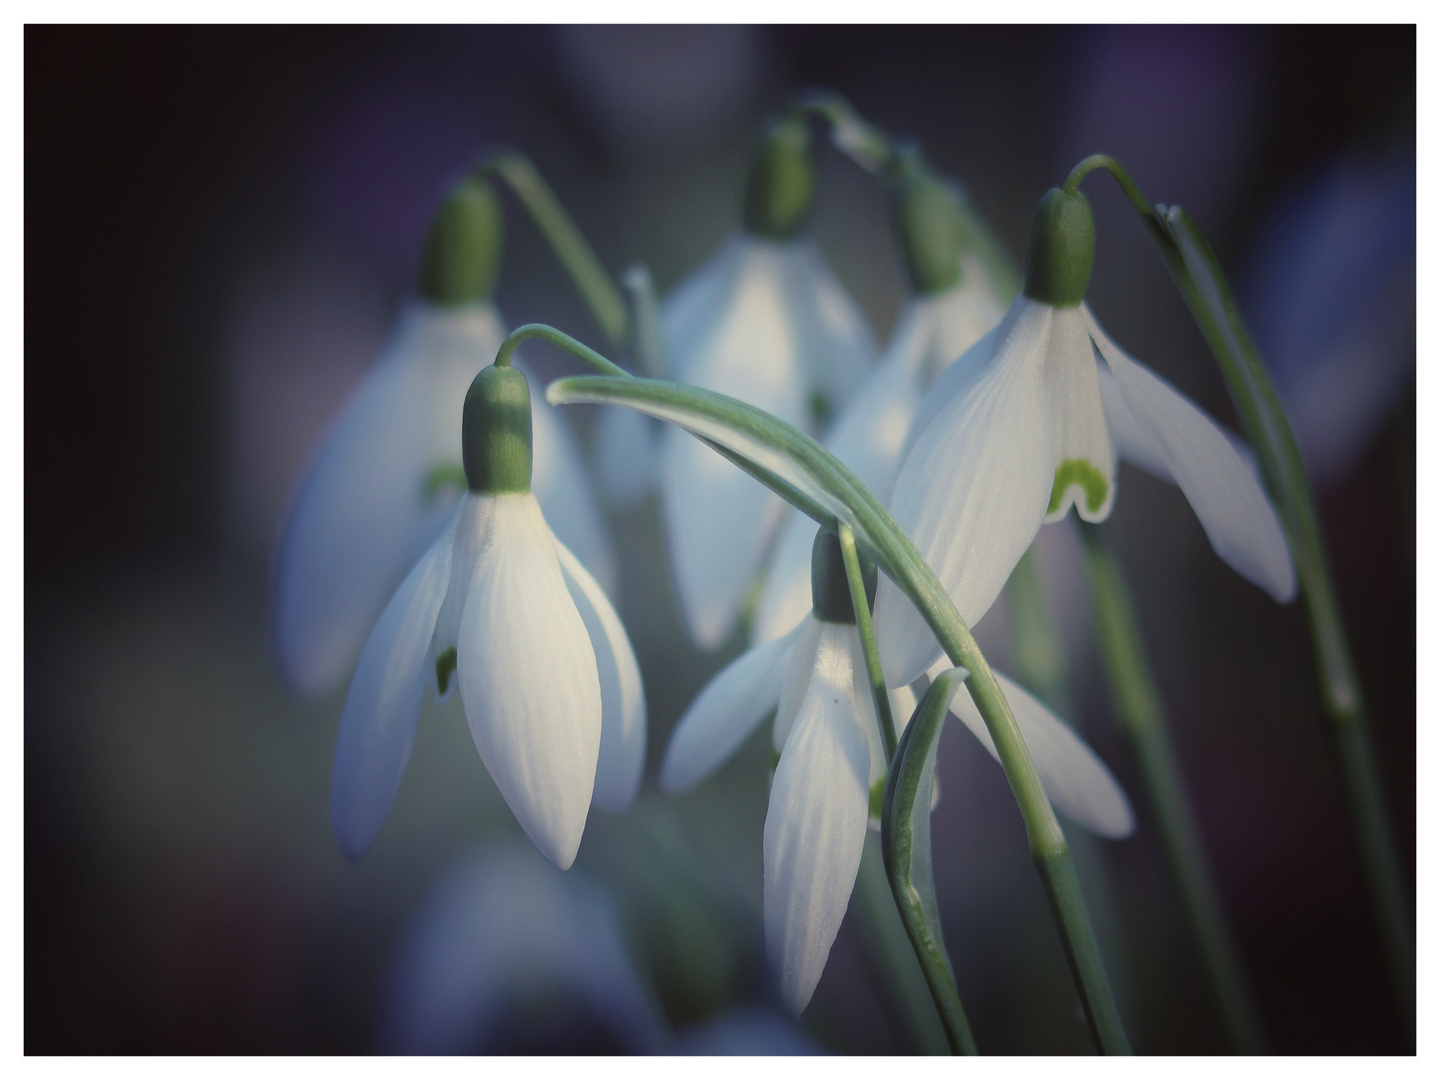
837,346
563,486
717,518
725,712
622,693
1084,457
815,826
377,728
959,317
799,670
1222,488
972,492
1076,780
528,679
361,518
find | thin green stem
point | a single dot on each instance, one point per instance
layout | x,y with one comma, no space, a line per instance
834,490
851,134
866,628
599,292
1193,265
556,337
1142,718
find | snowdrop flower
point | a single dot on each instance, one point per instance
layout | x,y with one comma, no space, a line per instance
764,321
1030,421
955,303
550,686
829,781
511,955
370,504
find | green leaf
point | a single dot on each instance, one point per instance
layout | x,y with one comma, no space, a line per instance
905,834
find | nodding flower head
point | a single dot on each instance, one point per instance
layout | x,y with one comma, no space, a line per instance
547,677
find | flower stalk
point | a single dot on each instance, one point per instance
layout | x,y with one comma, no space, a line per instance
1196,271
1142,718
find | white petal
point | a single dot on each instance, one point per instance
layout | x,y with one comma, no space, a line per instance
725,712
1076,780
959,317
622,693
785,600
837,346
562,484
628,449
474,527
972,493
529,681
816,823
1222,488
798,670
697,301
1084,457
361,518
377,728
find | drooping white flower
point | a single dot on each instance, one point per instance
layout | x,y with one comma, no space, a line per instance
502,935
832,767
765,321
547,677
1030,421
868,434
370,505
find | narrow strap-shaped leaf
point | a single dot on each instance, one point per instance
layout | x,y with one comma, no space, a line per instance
905,834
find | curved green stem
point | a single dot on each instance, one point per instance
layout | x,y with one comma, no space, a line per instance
866,629
548,333
570,248
1142,718
1193,265
831,487
850,133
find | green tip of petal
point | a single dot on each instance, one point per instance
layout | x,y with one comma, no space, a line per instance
438,479
444,668
1080,473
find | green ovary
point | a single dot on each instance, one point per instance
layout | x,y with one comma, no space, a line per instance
1091,480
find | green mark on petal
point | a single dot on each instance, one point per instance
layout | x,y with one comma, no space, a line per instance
877,798
444,668
819,408
438,479
1090,479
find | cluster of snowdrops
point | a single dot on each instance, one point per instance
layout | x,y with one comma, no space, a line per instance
446,536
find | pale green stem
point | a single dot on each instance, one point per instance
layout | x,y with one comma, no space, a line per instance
556,337
1207,294
1142,718
866,630
599,292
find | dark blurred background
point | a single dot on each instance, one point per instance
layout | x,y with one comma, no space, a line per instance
220,225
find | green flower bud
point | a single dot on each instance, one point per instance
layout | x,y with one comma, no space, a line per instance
925,213
462,248
829,587
495,442
1061,250
780,190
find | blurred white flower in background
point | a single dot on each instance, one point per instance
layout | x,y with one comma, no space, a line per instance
368,507
1329,295
869,433
510,955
